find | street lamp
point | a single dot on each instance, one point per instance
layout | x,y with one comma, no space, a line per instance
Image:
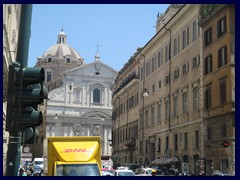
145,94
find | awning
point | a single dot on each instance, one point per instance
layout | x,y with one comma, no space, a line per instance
170,160
165,160
158,161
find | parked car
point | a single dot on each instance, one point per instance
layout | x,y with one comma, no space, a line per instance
124,173
132,167
144,172
221,174
122,168
106,174
106,170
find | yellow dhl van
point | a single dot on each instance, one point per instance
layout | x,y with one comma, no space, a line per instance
74,156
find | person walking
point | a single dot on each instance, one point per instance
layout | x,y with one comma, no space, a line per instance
22,172
154,172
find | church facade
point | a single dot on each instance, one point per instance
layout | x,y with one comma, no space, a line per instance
79,96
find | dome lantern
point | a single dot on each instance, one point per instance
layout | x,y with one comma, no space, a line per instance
62,37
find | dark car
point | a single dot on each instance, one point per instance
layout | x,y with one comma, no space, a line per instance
132,167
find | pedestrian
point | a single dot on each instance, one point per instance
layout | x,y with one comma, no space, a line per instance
22,172
154,172
29,173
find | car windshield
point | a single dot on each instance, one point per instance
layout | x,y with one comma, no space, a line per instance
77,170
125,174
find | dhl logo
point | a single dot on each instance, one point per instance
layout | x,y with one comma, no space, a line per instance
75,151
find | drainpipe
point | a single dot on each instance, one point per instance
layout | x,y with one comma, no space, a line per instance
169,123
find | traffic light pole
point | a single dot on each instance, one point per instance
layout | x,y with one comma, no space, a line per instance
14,147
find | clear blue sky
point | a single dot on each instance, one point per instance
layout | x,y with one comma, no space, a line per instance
119,29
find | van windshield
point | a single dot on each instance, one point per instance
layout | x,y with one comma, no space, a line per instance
77,170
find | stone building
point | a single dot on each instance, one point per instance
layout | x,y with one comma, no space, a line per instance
79,98
218,27
11,21
165,118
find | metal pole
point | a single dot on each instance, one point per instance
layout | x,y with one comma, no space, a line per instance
24,34
14,148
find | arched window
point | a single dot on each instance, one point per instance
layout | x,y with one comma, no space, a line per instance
96,96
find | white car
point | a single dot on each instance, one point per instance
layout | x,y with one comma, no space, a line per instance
106,174
122,168
124,173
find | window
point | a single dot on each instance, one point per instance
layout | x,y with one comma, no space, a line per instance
159,144
96,96
147,69
187,38
222,56
176,74
178,50
77,94
209,133
141,120
208,36
224,130
175,142
223,91
184,40
153,64
146,118
152,112
167,79
49,76
185,68
175,108
195,99
196,139
146,147
184,102
167,109
159,113
194,31
159,84
159,59
196,61
175,46
166,54
208,64
167,142
49,59
68,60
153,88
185,140
221,26
208,98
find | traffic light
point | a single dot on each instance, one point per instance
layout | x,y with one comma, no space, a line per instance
12,98
30,135
25,92
225,144
33,94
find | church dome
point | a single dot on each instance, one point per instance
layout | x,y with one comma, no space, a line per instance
62,50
